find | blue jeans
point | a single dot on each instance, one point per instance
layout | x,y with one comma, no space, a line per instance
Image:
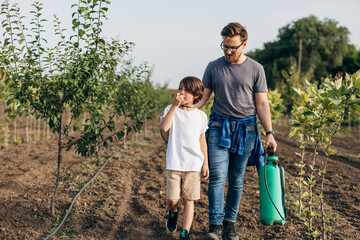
224,164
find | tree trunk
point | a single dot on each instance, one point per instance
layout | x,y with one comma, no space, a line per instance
15,132
125,132
323,215
27,130
124,140
52,205
145,128
311,188
39,128
97,155
44,130
300,181
299,57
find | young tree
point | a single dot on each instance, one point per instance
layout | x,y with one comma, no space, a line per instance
75,75
316,120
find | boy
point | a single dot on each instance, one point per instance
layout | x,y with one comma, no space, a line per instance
186,155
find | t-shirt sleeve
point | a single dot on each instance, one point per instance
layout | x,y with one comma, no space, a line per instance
260,82
204,125
167,109
207,77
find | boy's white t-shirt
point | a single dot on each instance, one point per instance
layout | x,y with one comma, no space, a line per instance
183,149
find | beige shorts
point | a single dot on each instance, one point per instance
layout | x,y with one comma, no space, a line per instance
187,183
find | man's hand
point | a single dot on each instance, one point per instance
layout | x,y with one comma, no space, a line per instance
270,141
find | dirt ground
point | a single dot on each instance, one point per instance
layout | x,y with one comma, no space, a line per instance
127,199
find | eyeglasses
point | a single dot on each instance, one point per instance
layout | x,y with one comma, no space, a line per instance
232,49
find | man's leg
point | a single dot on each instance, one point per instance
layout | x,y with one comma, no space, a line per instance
237,167
218,165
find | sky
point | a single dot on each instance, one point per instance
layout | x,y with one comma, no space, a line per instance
178,38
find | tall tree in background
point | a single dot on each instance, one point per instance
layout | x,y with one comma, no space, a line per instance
317,49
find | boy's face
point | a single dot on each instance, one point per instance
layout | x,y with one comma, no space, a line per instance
188,98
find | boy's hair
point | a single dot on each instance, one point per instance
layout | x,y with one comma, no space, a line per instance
194,86
234,29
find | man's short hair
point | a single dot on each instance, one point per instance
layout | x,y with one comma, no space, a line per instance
234,29
194,86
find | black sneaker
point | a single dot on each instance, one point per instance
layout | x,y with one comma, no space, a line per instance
171,223
184,235
214,232
228,232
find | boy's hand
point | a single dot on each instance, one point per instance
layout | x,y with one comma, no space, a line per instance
178,99
205,172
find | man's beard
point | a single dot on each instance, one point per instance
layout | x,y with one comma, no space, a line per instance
232,58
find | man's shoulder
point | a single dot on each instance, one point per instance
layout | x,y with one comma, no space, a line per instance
216,62
253,62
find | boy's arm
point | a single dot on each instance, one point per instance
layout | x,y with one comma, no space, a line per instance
167,120
205,167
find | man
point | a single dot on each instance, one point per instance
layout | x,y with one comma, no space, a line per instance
233,136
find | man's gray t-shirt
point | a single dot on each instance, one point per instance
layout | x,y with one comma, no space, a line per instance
235,86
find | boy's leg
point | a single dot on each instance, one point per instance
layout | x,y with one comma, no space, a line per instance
173,204
190,193
173,183
173,188
188,214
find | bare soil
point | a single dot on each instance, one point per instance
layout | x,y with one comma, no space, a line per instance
127,199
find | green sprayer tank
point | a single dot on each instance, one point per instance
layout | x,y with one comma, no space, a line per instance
272,195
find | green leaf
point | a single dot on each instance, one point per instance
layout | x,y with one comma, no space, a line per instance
307,113
355,107
81,32
120,135
331,151
294,131
338,83
75,23
102,42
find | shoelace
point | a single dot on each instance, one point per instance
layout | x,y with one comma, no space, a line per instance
230,228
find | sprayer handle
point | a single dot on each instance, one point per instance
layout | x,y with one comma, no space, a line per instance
270,150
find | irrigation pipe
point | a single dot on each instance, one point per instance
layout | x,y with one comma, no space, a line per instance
76,197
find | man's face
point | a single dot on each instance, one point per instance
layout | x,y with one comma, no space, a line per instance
232,51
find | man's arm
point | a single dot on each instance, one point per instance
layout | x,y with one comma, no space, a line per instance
205,98
205,167
263,110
